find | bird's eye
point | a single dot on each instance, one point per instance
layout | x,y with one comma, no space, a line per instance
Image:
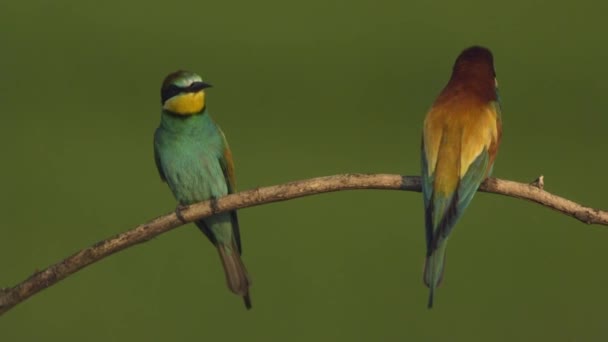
174,90
169,92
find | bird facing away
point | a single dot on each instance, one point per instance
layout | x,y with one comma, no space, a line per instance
460,139
193,157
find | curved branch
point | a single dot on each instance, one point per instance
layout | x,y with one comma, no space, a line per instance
10,297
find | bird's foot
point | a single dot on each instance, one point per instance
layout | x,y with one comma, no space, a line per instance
178,212
214,206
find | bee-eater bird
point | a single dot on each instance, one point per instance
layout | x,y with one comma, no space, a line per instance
460,139
193,157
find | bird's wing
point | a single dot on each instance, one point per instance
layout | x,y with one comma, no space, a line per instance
493,149
441,144
440,207
470,182
228,169
456,159
157,160
427,194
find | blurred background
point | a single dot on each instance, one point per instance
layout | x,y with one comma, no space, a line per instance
302,89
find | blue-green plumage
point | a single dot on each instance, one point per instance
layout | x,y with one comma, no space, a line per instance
190,149
193,157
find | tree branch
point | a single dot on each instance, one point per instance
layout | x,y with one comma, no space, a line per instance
9,297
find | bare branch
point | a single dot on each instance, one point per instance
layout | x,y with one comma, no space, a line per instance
534,192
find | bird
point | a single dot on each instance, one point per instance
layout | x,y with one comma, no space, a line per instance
460,139
193,157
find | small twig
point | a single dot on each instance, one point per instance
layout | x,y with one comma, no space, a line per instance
9,297
539,182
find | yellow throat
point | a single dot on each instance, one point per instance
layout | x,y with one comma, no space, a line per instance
186,104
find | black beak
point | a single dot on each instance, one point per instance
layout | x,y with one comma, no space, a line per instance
197,86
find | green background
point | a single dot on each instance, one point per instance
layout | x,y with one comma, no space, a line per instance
301,89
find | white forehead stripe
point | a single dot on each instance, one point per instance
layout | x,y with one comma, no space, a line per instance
185,82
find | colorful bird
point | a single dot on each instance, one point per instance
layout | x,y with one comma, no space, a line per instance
460,139
193,157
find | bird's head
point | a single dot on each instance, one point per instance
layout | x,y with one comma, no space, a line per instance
182,93
474,67
475,62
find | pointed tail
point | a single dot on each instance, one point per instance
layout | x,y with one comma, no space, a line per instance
433,270
236,275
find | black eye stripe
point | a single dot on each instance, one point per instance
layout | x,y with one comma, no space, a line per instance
170,91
